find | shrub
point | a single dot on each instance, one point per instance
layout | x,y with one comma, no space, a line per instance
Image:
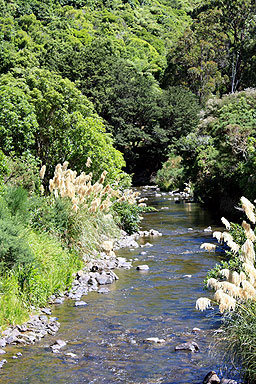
171,175
127,216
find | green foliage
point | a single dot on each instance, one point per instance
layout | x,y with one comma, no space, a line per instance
65,126
23,171
238,340
213,54
14,249
219,155
127,215
171,175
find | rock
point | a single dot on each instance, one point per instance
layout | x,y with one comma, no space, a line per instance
154,340
143,253
19,354
58,345
211,378
52,319
107,245
190,229
47,311
22,328
195,330
70,354
59,300
43,318
2,342
80,303
208,229
190,346
228,381
2,362
103,290
104,279
2,351
14,357
187,276
143,267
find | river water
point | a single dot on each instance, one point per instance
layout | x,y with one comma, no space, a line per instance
108,335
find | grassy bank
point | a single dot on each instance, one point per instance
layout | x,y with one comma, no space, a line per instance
234,284
47,236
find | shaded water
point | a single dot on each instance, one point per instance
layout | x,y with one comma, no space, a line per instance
107,335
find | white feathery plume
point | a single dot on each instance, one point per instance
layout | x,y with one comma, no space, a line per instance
88,162
248,207
248,252
227,237
218,235
248,290
226,223
233,246
248,231
212,283
235,278
225,273
42,172
242,276
203,303
208,247
232,289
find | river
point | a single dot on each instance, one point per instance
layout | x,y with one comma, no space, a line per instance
108,335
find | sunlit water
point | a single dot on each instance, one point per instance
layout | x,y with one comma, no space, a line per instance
108,335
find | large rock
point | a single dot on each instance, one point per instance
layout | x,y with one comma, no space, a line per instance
190,346
143,267
211,378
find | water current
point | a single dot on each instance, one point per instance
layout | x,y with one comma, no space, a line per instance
108,335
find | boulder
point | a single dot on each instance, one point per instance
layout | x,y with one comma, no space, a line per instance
143,267
190,346
211,378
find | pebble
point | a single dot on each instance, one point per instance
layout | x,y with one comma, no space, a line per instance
80,303
2,362
154,340
103,290
47,311
143,267
59,300
195,330
2,351
70,354
58,345
187,276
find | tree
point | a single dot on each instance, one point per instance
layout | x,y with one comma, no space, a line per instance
50,117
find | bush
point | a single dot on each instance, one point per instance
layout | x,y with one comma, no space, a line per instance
127,215
171,175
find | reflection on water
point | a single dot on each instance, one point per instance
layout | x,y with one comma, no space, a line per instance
107,336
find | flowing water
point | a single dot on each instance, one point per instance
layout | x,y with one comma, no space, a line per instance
108,335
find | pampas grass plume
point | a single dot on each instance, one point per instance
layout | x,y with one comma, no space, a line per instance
218,235
248,207
226,223
203,303
208,247
42,172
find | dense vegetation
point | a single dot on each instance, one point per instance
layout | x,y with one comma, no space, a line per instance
120,82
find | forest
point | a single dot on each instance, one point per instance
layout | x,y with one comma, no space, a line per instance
147,78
